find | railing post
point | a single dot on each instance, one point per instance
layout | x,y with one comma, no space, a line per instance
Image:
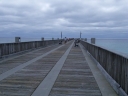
42,39
17,39
52,40
93,40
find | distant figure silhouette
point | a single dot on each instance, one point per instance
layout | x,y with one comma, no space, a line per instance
76,42
65,40
60,42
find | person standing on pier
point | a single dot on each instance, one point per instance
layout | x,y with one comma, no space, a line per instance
65,40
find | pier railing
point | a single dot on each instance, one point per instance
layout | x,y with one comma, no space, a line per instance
7,49
114,64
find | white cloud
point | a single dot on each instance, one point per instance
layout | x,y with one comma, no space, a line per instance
110,9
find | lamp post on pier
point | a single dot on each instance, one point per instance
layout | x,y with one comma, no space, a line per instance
61,35
80,35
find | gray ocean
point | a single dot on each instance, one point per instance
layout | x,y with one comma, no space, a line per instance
116,45
12,40
119,46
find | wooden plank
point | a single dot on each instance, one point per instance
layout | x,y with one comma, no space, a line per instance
75,78
26,80
12,63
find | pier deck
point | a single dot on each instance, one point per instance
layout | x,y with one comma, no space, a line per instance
58,70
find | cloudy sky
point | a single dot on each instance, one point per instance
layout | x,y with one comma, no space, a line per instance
47,18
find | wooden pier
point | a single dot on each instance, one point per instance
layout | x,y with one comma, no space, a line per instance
57,70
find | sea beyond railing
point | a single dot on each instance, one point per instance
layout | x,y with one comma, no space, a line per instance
119,46
22,39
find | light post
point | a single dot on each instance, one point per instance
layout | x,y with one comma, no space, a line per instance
80,35
61,35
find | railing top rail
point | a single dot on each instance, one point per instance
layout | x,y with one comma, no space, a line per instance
25,42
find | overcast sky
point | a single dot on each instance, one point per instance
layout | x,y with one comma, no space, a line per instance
47,18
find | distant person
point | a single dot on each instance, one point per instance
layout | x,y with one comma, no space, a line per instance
76,42
60,42
65,40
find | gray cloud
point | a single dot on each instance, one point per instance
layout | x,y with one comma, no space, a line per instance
99,18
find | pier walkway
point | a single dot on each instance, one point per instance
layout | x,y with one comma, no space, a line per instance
57,70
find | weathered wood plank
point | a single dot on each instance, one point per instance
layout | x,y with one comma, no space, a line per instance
26,80
9,64
75,78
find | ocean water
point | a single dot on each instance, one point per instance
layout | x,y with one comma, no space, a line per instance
12,39
116,45
119,46
7,40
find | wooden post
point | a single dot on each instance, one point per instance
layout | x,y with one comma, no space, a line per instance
93,40
17,39
42,39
